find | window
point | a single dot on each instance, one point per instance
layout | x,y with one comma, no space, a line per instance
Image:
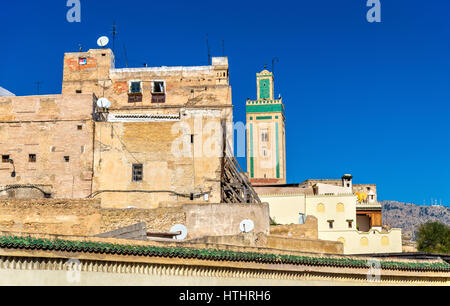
135,92
158,92
5,158
264,135
330,223
350,223
137,173
67,159
79,127
82,61
32,158
78,91
135,87
158,87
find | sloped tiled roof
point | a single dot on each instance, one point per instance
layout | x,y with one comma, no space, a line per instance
30,243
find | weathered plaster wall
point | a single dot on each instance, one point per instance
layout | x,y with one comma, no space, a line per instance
224,219
171,162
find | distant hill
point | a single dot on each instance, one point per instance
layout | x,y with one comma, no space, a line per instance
409,216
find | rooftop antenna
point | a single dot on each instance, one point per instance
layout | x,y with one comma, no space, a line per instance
181,229
80,49
125,54
102,41
246,226
114,36
275,59
38,85
209,50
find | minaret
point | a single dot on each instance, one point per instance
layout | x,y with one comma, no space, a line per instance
266,140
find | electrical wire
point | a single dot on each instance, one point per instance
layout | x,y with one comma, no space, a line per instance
46,194
195,196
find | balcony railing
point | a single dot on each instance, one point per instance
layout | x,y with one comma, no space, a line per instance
134,97
158,98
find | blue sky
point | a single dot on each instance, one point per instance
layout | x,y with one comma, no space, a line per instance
370,99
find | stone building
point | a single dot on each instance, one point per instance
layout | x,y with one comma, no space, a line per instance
159,139
46,146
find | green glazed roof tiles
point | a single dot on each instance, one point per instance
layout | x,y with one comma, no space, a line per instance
209,254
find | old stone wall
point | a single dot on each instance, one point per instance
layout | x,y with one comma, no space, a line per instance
87,218
50,216
308,230
50,140
158,220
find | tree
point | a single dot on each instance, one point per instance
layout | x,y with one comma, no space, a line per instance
433,237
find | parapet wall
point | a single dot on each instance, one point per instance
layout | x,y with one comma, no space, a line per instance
309,230
49,216
87,218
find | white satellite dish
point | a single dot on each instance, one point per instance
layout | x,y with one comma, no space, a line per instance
179,228
102,41
104,103
247,226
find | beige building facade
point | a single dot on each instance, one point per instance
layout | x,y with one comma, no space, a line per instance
132,137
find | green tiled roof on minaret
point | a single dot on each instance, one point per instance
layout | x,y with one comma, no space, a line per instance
266,145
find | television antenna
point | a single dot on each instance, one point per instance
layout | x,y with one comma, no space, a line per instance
209,49
104,103
246,226
102,41
179,228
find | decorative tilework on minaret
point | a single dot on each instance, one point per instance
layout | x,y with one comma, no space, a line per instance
266,145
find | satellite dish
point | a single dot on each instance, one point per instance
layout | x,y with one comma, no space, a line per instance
104,103
102,41
179,228
246,226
